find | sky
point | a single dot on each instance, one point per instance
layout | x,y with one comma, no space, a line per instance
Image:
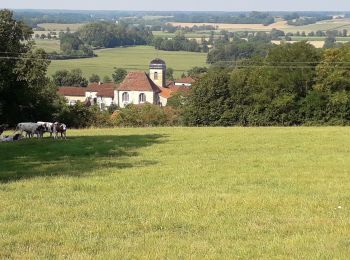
182,5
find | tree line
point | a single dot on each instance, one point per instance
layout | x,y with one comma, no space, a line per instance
295,84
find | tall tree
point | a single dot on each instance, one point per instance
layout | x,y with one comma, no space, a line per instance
119,75
26,93
94,78
69,78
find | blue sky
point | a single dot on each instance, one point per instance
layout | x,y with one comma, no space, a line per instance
182,5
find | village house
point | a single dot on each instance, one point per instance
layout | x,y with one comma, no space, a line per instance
137,88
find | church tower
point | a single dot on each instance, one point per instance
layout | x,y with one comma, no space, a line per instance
157,72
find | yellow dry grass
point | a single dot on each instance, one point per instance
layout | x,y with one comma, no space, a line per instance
317,44
226,26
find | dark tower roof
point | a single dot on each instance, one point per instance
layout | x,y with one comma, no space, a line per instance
157,61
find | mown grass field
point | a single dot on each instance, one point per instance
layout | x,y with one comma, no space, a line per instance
60,26
48,45
131,58
156,193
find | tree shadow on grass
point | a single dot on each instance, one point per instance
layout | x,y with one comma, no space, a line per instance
76,156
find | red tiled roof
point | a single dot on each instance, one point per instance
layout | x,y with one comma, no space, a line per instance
165,92
108,92
103,90
72,91
171,89
138,81
186,80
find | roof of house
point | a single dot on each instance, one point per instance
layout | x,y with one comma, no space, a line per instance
72,91
168,91
165,92
138,81
103,90
186,80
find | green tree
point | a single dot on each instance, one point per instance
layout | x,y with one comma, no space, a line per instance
209,99
94,78
170,74
333,82
197,71
107,79
329,42
69,78
119,75
26,93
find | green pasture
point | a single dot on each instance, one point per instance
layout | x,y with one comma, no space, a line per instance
177,193
48,45
131,58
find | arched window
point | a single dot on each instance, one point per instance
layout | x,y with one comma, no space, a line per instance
125,97
142,98
155,75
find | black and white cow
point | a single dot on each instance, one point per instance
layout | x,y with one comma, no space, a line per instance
59,128
47,127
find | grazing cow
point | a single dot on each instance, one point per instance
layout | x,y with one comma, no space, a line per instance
31,129
3,128
10,138
59,128
47,127
40,131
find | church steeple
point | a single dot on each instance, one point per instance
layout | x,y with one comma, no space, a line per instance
157,72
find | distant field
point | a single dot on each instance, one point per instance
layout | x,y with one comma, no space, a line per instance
48,45
307,38
60,26
317,44
155,17
237,27
195,35
337,24
178,193
131,58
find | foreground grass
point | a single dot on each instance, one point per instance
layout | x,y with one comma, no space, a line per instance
178,193
131,58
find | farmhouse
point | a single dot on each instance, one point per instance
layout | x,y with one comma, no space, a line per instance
137,88
95,93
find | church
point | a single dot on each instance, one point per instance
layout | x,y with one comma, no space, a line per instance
138,87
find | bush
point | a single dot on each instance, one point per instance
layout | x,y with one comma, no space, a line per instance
80,116
145,115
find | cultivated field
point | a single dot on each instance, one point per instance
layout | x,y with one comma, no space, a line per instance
335,24
188,193
131,58
60,26
237,27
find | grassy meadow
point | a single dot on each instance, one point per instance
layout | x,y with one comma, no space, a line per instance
158,193
131,58
48,45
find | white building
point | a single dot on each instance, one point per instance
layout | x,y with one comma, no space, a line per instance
138,87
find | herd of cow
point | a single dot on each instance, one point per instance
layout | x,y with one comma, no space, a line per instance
35,129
